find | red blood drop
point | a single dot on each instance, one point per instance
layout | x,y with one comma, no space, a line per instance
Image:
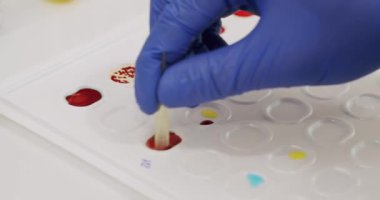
173,141
84,97
222,30
206,122
243,13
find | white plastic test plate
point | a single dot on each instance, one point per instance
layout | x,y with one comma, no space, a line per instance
308,143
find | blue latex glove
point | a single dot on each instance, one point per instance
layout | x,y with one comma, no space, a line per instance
297,42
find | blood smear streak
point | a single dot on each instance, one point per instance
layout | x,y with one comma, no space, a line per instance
174,139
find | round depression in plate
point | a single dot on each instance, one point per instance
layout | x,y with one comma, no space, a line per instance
246,185
365,106
367,154
327,92
330,131
202,163
247,137
120,123
294,197
334,181
288,110
216,112
291,159
251,97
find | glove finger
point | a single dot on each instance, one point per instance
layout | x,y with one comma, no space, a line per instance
258,61
214,75
174,31
284,50
156,8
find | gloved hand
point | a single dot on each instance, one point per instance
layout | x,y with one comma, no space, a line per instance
296,42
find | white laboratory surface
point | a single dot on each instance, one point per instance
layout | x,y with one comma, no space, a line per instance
34,169
31,32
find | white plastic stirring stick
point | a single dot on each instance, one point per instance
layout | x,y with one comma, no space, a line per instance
161,135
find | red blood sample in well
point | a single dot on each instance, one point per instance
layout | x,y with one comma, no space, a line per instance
173,140
206,122
243,13
84,97
124,75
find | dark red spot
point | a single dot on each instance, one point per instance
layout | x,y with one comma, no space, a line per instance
124,75
173,141
84,97
222,30
243,13
206,122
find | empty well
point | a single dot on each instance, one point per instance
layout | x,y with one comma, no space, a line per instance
251,97
367,154
330,131
119,123
334,181
327,92
202,164
247,137
288,110
365,106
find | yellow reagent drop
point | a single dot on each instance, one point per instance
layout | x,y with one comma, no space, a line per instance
297,155
209,113
60,1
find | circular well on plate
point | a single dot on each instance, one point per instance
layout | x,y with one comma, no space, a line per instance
327,92
247,137
123,75
330,131
367,154
246,185
202,163
334,181
365,106
251,97
210,111
119,123
291,159
288,110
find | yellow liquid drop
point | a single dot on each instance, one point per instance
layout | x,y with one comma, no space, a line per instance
59,1
209,113
297,155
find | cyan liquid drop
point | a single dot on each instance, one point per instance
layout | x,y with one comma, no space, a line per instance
255,180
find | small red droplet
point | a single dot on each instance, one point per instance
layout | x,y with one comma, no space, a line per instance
243,13
222,30
84,97
173,141
206,122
